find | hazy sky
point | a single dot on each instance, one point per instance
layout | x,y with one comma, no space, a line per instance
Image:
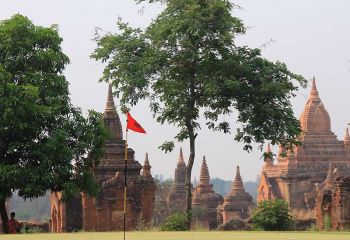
312,37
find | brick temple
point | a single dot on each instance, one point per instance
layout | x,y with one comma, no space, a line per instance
209,209
177,195
237,204
333,197
296,176
105,212
205,200
333,204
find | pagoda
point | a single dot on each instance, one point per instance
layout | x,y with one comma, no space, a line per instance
105,211
237,203
177,195
295,174
205,200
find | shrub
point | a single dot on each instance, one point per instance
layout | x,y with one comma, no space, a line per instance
141,224
235,225
272,215
327,223
175,222
313,228
27,228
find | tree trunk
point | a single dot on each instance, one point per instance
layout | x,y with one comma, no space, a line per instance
188,180
4,216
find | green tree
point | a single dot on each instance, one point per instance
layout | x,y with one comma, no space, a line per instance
175,222
272,215
161,207
186,63
45,142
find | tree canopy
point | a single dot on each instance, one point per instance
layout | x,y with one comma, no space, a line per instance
187,65
45,142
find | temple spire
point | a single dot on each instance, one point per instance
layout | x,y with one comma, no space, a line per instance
268,159
180,175
146,160
110,102
111,119
204,175
315,118
181,157
146,167
195,183
347,136
237,185
314,91
329,179
268,148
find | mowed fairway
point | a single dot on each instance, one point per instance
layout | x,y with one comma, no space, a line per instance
185,236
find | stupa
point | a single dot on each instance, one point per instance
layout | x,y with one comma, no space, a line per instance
205,200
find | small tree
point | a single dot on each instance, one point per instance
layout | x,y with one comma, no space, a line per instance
187,64
272,215
161,208
175,222
45,142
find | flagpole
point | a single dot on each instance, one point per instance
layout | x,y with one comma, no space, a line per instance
125,169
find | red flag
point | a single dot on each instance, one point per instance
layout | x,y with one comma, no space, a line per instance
134,125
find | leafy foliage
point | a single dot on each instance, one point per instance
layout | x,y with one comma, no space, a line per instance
187,60
141,224
175,222
161,207
272,215
45,142
327,223
187,65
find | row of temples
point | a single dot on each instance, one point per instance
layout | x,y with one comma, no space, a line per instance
106,211
209,209
314,176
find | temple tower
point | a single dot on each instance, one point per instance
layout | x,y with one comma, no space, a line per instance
148,191
295,175
237,203
347,141
105,211
177,196
268,158
205,200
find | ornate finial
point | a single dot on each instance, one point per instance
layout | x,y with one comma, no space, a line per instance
204,177
268,148
146,167
237,185
181,157
347,136
314,92
268,159
146,160
111,118
110,102
329,179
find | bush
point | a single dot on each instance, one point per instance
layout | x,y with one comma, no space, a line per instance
327,223
141,224
304,224
272,215
175,222
235,225
28,228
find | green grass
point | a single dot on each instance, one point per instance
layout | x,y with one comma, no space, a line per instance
184,236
